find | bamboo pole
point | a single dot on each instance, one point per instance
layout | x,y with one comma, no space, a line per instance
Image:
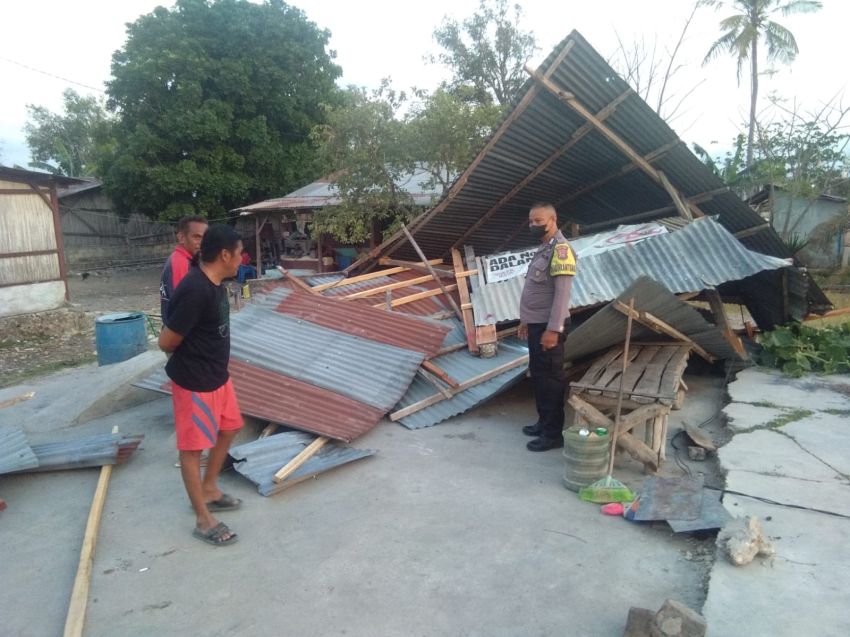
76,617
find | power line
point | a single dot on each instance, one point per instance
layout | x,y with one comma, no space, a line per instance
58,77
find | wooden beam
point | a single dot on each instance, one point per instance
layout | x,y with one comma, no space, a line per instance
431,270
366,277
465,302
742,234
684,210
296,280
436,384
308,452
722,321
472,382
418,296
440,373
76,617
420,267
388,287
657,325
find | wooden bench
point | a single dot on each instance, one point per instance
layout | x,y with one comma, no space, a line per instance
652,386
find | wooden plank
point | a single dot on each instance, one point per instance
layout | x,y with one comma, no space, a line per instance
639,451
607,403
389,286
357,279
596,369
472,382
308,452
590,413
75,619
641,415
418,296
296,280
431,380
472,263
657,325
431,270
722,321
612,372
466,304
684,210
651,381
440,373
637,367
671,380
644,395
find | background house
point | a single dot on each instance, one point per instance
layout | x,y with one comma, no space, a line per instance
32,265
820,221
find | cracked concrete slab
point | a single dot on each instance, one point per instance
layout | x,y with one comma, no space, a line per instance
826,436
801,591
770,453
827,496
743,416
759,385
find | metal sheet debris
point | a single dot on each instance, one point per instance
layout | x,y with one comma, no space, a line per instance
15,452
259,460
713,515
668,498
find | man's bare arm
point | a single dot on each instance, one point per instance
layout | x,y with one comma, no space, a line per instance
169,340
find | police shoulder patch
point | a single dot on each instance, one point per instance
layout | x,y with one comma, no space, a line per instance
563,261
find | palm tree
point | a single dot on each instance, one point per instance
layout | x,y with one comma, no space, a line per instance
741,34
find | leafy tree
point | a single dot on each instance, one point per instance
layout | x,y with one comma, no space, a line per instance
216,101
364,140
730,168
68,143
445,132
487,51
742,33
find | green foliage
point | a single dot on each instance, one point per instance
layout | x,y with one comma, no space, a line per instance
373,147
744,31
797,349
795,243
216,101
69,143
487,51
365,142
729,168
445,133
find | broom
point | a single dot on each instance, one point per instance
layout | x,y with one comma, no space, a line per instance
609,489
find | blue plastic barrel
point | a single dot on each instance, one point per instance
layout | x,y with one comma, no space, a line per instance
119,337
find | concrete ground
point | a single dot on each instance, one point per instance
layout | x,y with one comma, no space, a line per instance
790,464
452,530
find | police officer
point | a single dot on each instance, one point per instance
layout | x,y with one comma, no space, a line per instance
544,315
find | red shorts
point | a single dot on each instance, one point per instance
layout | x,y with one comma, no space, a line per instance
200,415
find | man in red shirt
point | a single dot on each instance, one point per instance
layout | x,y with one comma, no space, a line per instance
190,231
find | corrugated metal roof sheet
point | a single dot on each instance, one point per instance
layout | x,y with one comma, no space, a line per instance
322,192
588,178
607,327
261,459
323,357
700,256
15,452
463,366
89,451
357,319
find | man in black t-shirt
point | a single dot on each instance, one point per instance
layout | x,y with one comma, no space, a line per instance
206,413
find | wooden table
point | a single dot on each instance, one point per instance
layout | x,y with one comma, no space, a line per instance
652,386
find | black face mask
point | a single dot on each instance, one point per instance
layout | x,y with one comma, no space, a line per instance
537,231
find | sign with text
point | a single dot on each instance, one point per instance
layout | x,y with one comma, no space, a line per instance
507,265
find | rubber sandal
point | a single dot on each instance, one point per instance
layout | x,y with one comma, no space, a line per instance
226,502
214,535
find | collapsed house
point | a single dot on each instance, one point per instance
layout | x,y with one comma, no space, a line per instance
422,328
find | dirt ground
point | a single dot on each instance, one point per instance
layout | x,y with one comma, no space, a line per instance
36,344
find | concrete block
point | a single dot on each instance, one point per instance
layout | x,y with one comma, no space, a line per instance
825,437
639,623
758,384
674,619
696,453
771,453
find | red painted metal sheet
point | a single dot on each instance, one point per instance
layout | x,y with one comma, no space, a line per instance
390,328
278,398
284,400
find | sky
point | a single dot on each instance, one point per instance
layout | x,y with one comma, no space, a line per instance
70,44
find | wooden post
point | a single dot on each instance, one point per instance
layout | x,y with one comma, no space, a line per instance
465,302
308,452
657,325
431,269
722,321
259,255
76,617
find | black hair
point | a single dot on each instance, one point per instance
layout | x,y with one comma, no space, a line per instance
183,222
217,238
